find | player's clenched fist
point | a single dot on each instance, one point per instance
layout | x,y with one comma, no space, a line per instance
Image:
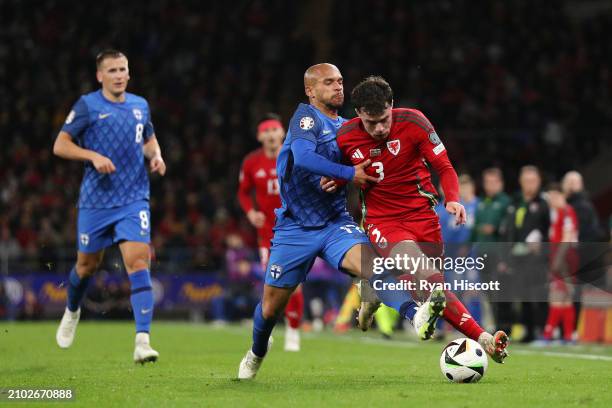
158,165
361,177
256,218
103,164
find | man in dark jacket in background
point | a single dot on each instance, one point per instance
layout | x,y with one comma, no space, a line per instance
524,273
588,222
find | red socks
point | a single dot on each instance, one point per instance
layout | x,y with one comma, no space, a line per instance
557,315
295,309
456,314
569,322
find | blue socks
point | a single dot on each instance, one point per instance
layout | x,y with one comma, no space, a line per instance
262,329
399,300
76,290
142,299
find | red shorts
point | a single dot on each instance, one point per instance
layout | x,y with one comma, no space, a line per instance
426,232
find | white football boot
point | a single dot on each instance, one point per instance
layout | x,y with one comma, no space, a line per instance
143,352
495,345
427,314
369,304
251,363
67,328
292,339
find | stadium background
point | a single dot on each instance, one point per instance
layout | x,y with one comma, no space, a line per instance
506,84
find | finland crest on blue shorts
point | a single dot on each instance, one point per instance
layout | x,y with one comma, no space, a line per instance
295,248
99,228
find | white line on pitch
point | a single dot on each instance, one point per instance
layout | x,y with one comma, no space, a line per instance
565,355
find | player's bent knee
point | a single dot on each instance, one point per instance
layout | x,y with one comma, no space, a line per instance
86,269
274,301
137,265
88,264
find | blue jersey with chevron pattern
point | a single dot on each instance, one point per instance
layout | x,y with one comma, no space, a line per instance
118,131
303,201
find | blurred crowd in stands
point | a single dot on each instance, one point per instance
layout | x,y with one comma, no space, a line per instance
506,84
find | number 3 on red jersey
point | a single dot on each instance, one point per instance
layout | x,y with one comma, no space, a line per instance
380,170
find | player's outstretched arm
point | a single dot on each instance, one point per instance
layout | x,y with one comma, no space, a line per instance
305,156
65,148
152,151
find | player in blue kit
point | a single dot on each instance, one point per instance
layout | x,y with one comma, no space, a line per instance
314,223
111,131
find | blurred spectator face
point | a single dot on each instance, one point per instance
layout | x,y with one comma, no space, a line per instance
467,191
234,241
572,183
377,126
530,182
271,138
114,75
326,87
492,184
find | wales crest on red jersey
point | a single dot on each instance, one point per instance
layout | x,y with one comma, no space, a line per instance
394,146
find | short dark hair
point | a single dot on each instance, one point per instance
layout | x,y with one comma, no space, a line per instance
373,95
108,53
554,187
493,171
269,116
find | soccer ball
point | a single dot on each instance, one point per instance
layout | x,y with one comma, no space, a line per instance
463,361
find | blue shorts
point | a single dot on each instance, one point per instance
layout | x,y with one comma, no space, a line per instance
99,228
295,248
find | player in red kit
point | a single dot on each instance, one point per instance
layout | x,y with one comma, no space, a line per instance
258,176
563,235
398,211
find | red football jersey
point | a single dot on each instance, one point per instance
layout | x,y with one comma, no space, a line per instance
404,190
258,172
563,221
563,228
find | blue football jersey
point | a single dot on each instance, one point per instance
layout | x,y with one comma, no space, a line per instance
457,234
118,131
301,195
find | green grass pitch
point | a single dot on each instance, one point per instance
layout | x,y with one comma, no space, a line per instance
198,366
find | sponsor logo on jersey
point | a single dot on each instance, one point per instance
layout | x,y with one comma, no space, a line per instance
326,132
137,114
433,138
84,239
394,146
375,152
261,173
104,115
70,117
306,123
357,154
276,270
